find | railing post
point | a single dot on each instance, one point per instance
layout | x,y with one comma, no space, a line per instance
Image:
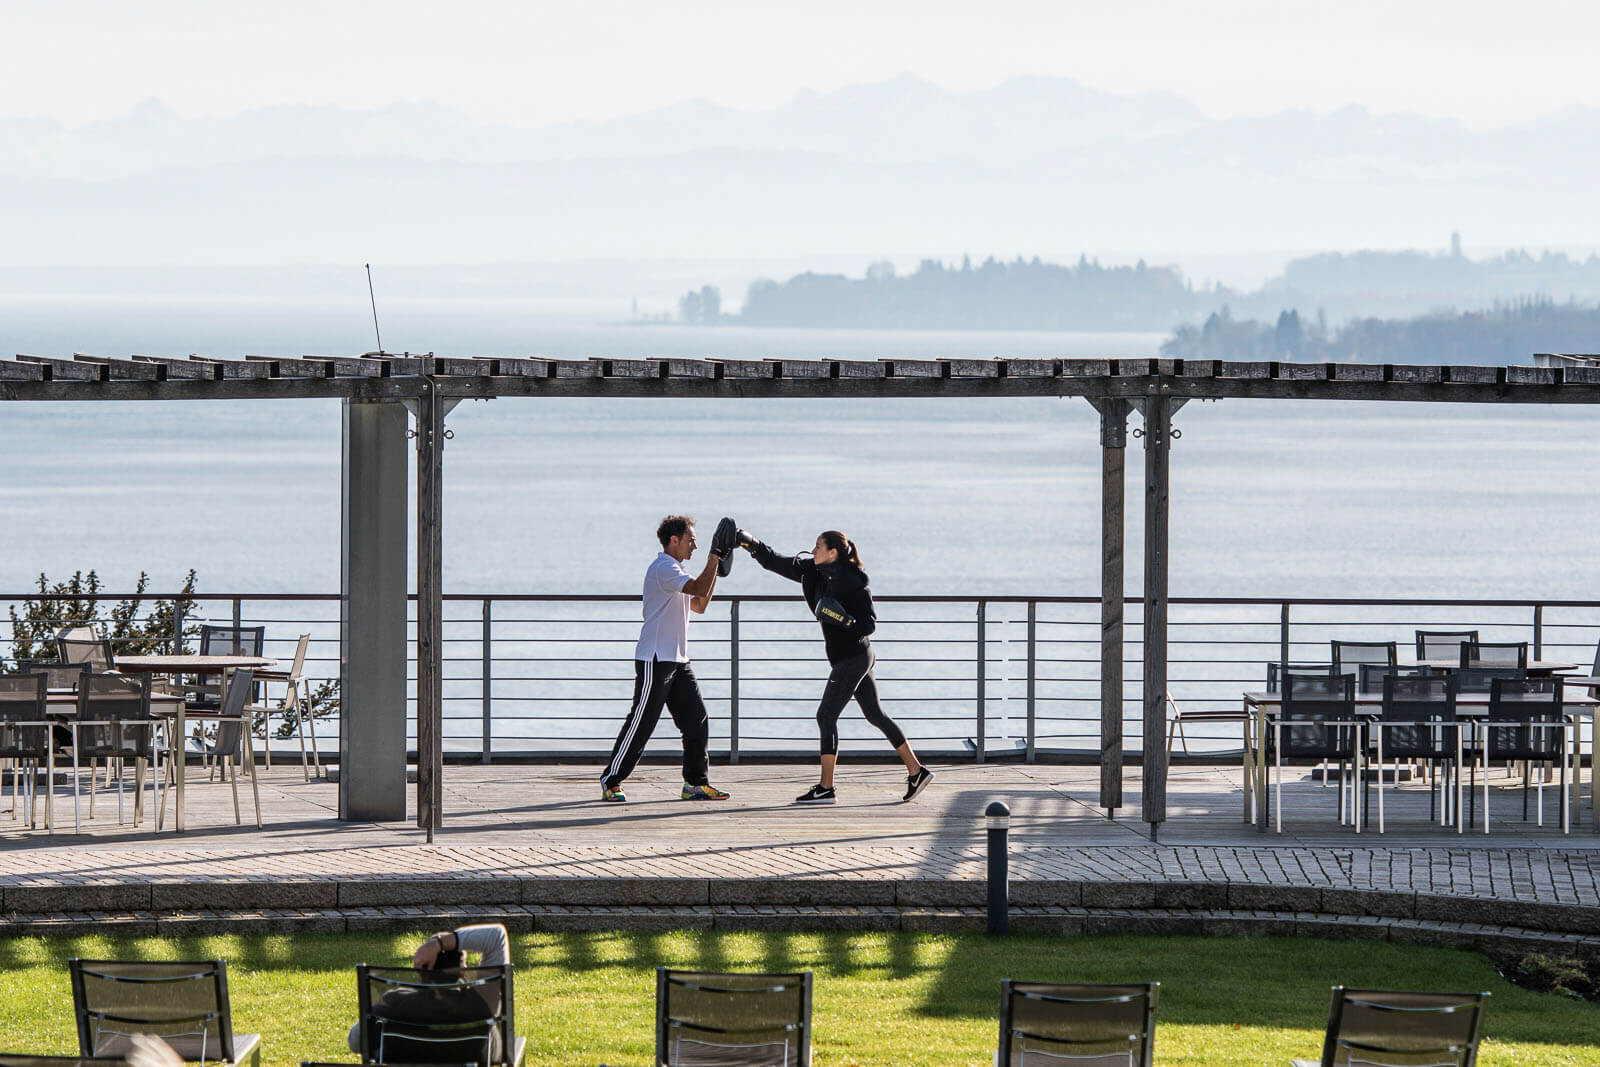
177,628
733,680
1538,631
1283,633
983,643
1033,660
238,617
488,682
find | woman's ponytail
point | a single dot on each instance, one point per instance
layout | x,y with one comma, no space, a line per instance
844,546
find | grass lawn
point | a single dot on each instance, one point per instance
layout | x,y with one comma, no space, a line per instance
891,999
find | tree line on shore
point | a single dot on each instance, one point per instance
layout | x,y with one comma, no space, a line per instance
1502,335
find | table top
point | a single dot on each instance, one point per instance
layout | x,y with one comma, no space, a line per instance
190,662
1469,701
1535,666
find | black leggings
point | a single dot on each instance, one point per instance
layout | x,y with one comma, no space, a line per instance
853,677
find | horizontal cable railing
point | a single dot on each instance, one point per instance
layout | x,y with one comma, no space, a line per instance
551,676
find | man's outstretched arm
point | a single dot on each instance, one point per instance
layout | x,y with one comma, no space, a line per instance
700,589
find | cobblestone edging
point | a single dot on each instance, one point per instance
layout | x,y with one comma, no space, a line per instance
1024,919
358,896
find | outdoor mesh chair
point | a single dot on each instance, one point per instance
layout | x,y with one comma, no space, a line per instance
1444,645
1316,722
1417,723
84,644
228,747
709,1019
1499,655
113,723
295,701
457,1016
26,740
223,641
1370,676
1194,715
1527,722
1077,1025
1349,655
59,677
185,1004
1380,1027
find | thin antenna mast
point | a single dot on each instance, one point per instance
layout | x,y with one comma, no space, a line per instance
374,300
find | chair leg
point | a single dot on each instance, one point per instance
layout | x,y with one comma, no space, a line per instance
292,703
77,827
1380,782
1278,763
227,767
161,799
138,790
255,789
310,723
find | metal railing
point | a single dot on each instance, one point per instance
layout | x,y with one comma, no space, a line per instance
550,676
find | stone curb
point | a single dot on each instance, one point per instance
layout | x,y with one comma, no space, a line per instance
472,893
1051,920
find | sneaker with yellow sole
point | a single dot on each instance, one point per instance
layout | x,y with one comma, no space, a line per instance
701,792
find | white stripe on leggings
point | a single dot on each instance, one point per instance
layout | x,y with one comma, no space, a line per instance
633,719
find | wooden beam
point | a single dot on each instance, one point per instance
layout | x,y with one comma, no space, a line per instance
1113,457
1157,449
430,604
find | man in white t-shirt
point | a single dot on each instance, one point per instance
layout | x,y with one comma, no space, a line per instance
661,671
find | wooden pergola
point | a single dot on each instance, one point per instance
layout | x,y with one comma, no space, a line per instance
380,391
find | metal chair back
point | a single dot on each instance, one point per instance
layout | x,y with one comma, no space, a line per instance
113,719
1348,655
1526,720
1444,644
1503,655
183,1003
1418,717
84,644
1318,715
58,676
231,721
24,728
1077,1024
232,640
460,1015
1374,1026
710,1019
1275,672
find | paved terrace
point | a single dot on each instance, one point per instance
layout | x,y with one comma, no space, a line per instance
534,847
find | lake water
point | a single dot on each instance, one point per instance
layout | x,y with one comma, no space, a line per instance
963,496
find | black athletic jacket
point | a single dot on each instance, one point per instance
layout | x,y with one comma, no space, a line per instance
839,580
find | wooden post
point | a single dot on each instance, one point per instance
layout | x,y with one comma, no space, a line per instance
1113,454
1157,446
430,629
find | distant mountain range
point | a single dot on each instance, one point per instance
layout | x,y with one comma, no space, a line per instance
1031,166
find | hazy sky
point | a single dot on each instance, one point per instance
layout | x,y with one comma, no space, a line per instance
509,61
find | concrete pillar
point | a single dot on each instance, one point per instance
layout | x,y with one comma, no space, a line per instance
372,612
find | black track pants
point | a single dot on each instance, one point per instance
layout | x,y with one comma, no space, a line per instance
853,677
656,683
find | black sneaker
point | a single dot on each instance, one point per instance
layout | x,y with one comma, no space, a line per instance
816,795
916,783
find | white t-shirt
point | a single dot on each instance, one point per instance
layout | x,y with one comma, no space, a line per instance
665,635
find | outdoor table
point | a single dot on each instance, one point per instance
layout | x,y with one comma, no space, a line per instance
1469,707
186,664
1535,666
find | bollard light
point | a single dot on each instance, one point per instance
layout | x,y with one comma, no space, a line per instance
998,818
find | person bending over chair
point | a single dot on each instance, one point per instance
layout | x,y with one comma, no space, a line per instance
444,954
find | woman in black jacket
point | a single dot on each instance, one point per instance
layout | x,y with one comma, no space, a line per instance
837,593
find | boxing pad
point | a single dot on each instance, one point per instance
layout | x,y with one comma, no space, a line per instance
722,543
832,612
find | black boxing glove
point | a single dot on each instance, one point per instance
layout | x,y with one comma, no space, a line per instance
746,541
722,543
832,613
